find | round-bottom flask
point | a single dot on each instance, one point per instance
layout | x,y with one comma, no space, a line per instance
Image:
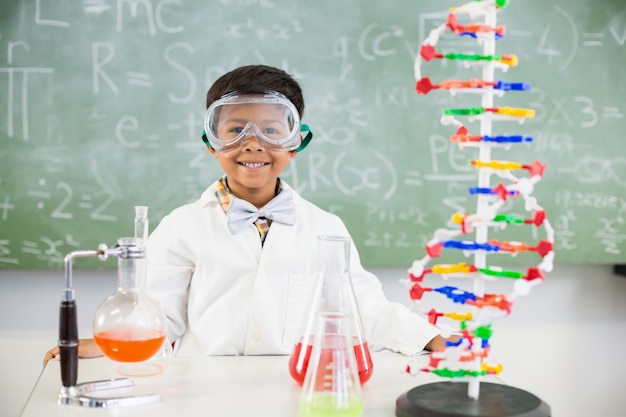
334,292
130,326
332,386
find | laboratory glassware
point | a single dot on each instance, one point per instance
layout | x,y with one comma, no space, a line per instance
333,293
87,394
162,358
130,325
331,385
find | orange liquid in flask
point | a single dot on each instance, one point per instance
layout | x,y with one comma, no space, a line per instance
129,343
364,364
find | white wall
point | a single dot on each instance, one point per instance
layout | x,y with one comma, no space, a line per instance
564,342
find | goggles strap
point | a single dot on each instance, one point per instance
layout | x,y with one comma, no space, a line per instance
307,136
205,139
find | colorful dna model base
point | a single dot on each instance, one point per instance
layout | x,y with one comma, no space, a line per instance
465,359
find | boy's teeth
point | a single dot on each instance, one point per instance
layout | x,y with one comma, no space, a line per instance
250,165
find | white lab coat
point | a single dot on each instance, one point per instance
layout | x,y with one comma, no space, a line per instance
226,294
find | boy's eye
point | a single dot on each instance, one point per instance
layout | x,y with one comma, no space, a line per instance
236,129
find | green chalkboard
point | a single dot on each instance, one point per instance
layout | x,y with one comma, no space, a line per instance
101,105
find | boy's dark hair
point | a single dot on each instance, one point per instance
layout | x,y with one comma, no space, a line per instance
257,79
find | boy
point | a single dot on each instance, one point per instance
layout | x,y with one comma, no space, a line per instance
234,280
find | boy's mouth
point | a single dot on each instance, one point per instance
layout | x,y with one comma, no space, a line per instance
253,164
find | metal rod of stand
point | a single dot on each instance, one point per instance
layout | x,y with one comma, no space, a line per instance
68,324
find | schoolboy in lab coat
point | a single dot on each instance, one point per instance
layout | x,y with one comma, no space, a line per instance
234,281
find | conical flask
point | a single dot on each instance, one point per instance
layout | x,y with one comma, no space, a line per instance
333,294
332,386
130,325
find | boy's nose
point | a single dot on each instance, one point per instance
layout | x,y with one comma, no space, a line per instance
252,143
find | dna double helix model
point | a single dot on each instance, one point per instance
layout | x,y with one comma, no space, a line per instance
467,359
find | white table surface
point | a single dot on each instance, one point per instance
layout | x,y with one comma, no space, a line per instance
222,386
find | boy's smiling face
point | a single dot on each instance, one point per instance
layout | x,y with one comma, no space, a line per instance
252,169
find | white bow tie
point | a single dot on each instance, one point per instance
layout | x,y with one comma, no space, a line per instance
280,209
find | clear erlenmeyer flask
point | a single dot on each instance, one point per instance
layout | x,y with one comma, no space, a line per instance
333,293
130,325
332,386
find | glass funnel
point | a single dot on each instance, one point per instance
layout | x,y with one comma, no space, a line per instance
333,294
332,386
130,326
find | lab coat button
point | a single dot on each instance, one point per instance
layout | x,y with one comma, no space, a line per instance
257,335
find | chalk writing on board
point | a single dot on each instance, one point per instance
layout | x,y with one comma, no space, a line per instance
594,170
444,154
590,115
382,178
568,57
387,239
197,158
618,30
191,83
412,178
577,111
42,17
95,7
126,123
397,96
192,122
563,144
565,236
140,79
340,50
457,203
99,63
5,253
609,234
373,39
609,112
40,195
351,177
67,194
411,215
595,200
63,194
154,16
596,39
50,251
350,110
12,72
5,207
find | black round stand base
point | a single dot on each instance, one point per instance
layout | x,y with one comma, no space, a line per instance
450,399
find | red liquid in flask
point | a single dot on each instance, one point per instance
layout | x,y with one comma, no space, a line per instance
129,343
364,364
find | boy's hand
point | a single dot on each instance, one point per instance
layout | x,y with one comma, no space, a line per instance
87,348
438,343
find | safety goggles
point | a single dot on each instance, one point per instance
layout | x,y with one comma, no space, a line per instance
271,118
